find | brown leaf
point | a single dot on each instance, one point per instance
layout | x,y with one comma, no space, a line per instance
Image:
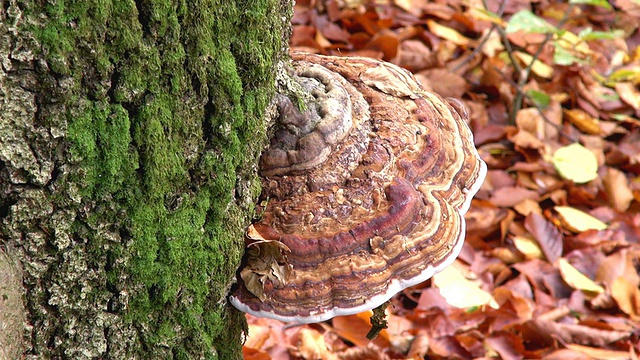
546,234
330,30
596,353
512,195
253,354
629,93
616,185
387,42
311,345
551,325
414,55
448,347
508,345
354,328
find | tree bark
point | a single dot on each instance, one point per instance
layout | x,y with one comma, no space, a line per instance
129,137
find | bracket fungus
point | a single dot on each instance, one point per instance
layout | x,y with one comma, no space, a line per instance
365,192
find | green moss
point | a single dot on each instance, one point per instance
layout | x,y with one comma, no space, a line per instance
165,112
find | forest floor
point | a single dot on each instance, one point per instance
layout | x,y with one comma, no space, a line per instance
551,264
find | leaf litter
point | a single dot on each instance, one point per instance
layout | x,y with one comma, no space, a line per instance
551,263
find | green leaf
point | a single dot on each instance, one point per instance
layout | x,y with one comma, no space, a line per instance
562,56
539,98
588,34
602,3
527,21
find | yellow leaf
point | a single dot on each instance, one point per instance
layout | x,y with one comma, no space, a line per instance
539,68
597,353
578,221
485,15
448,33
528,246
576,279
631,74
626,295
572,43
629,93
459,291
574,162
311,345
583,121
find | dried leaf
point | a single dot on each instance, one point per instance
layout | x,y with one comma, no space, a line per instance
512,195
528,246
617,187
546,234
629,93
583,121
459,291
578,221
576,279
249,353
266,261
574,162
627,295
538,67
354,328
596,353
311,345
508,345
448,33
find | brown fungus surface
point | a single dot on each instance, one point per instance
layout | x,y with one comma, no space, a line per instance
365,192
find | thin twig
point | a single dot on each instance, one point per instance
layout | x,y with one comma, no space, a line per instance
484,40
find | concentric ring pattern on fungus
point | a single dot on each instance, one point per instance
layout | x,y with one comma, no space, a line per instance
365,191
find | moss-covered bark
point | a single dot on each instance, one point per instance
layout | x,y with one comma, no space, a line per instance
129,133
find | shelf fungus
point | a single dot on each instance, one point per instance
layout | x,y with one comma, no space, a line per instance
364,192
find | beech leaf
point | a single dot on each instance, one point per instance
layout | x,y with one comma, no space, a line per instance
574,162
527,21
578,221
546,234
576,279
459,291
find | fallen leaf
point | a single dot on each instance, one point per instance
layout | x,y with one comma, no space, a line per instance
574,162
578,221
597,353
459,291
354,328
629,93
576,279
528,246
249,353
511,195
507,345
616,185
311,345
539,68
448,33
583,121
528,206
546,234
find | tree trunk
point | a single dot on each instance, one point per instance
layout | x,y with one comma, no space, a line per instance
129,137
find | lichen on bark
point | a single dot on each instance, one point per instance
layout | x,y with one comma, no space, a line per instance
128,142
